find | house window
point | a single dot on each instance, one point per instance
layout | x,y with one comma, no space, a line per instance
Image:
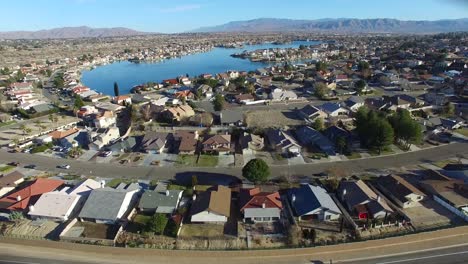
327,217
266,219
257,219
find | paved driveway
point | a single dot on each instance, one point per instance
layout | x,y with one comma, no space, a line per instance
164,159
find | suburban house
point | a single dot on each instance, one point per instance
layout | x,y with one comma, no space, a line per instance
86,110
282,95
65,138
333,133
244,98
257,206
105,120
310,113
400,191
313,202
354,103
127,145
102,137
231,118
165,202
122,100
283,141
63,205
10,181
178,113
187,141
313,138
108,205
450,193
23,198
217,144
211,206
334,109
361,201
250,142
155,142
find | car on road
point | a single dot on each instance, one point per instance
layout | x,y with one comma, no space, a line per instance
105,153
14,163
64,166
31,166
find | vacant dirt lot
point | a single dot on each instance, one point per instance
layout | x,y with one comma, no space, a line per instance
27,228
202,230
272,118
431,214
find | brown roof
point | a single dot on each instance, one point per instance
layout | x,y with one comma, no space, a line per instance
218,139
398,186
58,134
10,179
454,191
218,201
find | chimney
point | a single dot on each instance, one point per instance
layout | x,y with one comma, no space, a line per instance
263,205
167,192
31,208
18,198
293,198
194,197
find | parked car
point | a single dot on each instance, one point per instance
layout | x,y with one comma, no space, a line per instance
31,166
64,166
14,163
106,153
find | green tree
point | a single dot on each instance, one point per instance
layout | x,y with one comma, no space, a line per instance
341,144
321,90
448,110
363,65
218,102
156,224
318,124
78,102
116,89
407,131
360,85
256,170
321,66
382,135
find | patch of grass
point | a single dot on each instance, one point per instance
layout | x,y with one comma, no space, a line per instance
191,161
318,155
202,230
11,122
354,155
141,219
375,152
202,188
176,187
6,168
278,156
115,182
207,161
71,177
442,163
463,131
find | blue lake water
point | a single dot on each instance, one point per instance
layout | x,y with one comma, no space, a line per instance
128,74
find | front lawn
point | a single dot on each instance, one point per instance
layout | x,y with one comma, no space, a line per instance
191,161
115,182
202,230
6,168
11,122
354,155
463,131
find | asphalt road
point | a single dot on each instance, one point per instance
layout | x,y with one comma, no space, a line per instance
149,173
456,255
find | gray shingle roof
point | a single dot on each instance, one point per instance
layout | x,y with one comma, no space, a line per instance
309,197
154,199
103,203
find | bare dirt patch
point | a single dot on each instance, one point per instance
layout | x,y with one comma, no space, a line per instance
273,118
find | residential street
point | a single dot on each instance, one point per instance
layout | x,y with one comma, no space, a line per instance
305,170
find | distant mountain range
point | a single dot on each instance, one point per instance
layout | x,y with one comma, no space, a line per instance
71,32
341,25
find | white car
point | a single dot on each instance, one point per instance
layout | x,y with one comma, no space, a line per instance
64,166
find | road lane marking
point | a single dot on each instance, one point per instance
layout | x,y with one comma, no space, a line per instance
427,257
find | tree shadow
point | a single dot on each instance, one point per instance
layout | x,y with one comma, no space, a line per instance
205,178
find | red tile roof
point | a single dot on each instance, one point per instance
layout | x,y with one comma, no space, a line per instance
257,199
21,199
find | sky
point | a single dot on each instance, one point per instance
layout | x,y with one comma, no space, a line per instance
171,16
